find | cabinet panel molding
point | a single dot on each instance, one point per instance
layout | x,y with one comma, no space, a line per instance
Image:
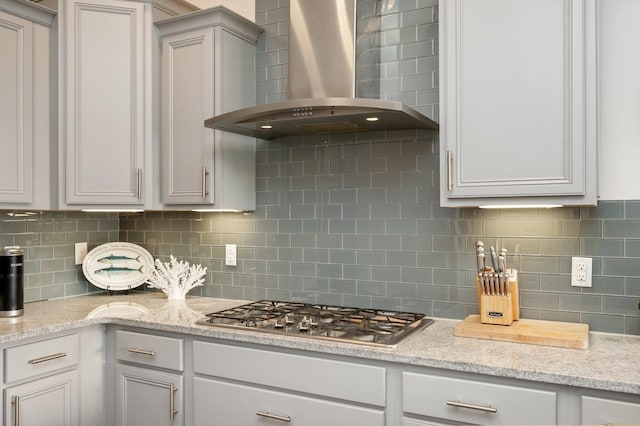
148,397
208,68
188,166
16,87
52,400
107,68
517,104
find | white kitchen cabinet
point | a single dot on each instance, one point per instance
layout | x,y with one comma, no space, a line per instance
304,389
604,411
145,395
40,391
148,397
208,68
50,401
475,402
105,103
25,104
107,92
517,103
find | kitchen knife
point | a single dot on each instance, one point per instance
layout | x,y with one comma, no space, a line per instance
501,265
503,253
480,260
494,260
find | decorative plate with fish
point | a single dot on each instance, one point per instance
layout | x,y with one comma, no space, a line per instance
118,266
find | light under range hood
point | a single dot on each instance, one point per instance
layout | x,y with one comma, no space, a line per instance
323,65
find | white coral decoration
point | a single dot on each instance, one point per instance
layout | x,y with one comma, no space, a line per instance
176,278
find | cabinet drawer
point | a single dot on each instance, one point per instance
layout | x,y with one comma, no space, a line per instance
218,400
599,411
147,349
336,379
434,396
31,359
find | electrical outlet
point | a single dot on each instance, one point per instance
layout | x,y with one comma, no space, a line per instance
230,258
81,252
581,271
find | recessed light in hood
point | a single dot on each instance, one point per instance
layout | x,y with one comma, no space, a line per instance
322,83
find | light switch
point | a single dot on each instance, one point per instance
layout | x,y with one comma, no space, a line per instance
231,251
81,252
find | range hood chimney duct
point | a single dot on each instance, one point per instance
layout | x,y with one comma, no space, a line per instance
323,66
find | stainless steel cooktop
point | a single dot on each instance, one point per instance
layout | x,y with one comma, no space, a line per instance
356,325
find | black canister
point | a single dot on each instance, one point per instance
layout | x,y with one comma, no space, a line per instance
11,282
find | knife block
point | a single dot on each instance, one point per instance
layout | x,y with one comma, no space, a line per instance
498,309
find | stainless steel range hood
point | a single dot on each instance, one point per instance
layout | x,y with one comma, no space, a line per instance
323,64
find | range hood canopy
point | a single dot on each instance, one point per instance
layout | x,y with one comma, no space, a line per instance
322,81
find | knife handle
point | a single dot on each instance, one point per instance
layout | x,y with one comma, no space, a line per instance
494,259
480,261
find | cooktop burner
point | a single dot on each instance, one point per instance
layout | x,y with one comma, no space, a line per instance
358,325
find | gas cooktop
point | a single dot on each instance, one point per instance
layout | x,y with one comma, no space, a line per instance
356,325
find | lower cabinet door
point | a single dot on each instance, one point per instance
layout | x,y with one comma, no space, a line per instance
51,401
148,397
600,411
223,404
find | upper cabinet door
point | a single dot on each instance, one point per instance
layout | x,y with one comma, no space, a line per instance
16,161
187,89
107,111
518,102
208,68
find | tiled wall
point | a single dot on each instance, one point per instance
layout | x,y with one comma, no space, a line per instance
355,219
48,239
408,43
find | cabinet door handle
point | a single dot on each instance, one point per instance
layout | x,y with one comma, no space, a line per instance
16,410
172,402
487,409
139,183
204,182
47,358
142,351
273,416
449,170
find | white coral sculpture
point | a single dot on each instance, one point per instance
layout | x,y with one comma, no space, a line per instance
176,278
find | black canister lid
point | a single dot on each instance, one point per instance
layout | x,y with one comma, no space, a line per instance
12,251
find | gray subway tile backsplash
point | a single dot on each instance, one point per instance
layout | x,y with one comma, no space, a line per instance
355,219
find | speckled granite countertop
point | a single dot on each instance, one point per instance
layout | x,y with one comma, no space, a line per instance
610,363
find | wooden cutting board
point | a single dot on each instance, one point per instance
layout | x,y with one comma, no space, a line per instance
537,332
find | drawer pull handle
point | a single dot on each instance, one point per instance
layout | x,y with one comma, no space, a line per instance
459,404
273,416
172,402
142,351
16,410
47,358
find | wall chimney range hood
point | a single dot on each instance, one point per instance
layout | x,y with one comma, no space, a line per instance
326,70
